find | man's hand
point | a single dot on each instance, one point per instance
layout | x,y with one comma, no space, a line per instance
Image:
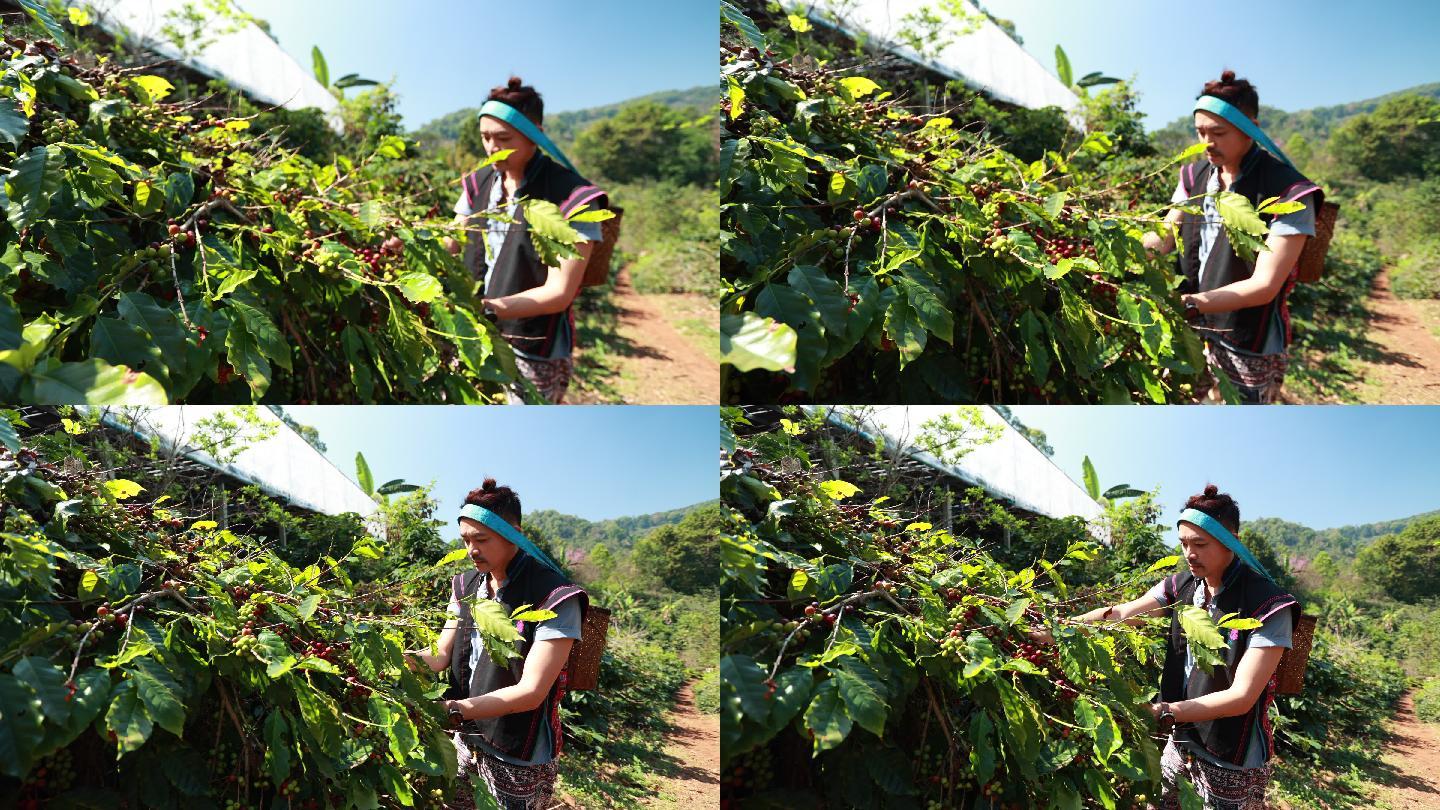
452,246
1042,637
453,715
1192,307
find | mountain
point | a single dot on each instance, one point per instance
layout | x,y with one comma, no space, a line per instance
562,127
1314,125
617,533
1342,543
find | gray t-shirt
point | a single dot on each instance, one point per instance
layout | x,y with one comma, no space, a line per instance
1299,223
1275,631
566,624
495,232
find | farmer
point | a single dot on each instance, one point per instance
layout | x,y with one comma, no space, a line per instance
508,719
1218,730
1238,306
529,301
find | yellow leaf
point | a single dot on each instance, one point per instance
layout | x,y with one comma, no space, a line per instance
454,556
153,88
838,490
237,126
121,489
799,24
858,86
79,17
918,527
72,427
203,525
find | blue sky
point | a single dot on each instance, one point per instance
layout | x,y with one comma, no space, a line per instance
595,462
1298,55
443,55
1320,466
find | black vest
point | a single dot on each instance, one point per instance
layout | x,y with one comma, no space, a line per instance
517,266
1262,176
529,583
1252,596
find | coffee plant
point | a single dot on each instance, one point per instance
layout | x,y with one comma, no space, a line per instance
154,251
873,254
151,660
881,662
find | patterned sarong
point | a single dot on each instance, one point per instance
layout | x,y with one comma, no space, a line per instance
552,377
1258,378
1220,788
515,787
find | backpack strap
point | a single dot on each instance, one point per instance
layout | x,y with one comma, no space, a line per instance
583,195
1187,178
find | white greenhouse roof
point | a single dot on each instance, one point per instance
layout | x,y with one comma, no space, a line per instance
248,58
284,465
986,59
1010,468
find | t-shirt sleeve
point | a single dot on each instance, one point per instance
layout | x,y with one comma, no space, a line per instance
462,205
590,230
566,623
1299,223
1276,631
1179,196
1159,593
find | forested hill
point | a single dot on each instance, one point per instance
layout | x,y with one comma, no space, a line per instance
1342,543
564,126
617,533
1314,125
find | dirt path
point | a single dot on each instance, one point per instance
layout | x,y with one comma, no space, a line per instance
1414,753
1407,371
658,364
690,770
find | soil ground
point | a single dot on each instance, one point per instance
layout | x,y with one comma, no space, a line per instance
690,769
1406,370
664,350
1414,752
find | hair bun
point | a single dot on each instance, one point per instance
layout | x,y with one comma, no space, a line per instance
1227,77
1211,490
489,485
516,83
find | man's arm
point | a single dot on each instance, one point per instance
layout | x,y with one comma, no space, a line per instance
559,289
1163,244
1131,613
441,660
1256,667
450,243
1272,268
542,667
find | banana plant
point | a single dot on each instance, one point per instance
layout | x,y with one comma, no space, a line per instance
1115,493
322,75
1062,70
382,493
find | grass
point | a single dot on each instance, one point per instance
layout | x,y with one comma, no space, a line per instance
1330,319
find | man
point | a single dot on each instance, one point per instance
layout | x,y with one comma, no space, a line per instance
529,301
1239,306
508,721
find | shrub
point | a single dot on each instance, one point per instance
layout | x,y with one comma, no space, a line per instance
1417,274
1427,701
707,692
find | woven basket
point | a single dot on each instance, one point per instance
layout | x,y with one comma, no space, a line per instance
1312,258
597,270
1290,675
584,663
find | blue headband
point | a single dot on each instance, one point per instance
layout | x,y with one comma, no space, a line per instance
1231,113
502,527
1219,532
504,112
